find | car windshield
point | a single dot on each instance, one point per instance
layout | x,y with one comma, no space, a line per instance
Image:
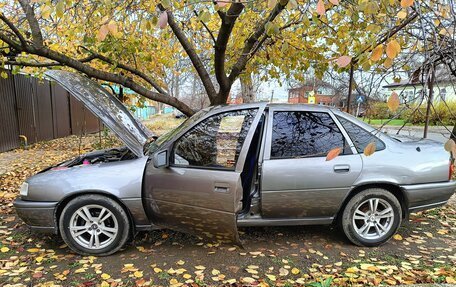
165,138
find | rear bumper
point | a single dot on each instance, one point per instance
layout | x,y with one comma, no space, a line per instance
40,216
429,195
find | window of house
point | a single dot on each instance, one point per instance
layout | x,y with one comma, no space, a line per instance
215,142
305,134
443,94
359,136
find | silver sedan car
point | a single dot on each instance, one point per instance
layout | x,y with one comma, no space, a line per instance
228,166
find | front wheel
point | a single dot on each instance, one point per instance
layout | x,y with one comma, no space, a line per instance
94,225
371,217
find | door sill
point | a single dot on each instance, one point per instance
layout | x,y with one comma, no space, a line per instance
259,221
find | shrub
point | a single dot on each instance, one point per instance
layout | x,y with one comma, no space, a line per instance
440,113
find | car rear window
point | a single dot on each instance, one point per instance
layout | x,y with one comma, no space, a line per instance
359,136
305,134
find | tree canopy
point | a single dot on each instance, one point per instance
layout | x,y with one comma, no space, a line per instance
139,43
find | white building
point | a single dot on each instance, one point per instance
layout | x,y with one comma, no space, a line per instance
410,91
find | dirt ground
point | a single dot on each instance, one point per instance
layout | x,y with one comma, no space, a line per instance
423,251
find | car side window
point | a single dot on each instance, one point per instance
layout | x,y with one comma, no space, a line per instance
359,136
215,142
305,134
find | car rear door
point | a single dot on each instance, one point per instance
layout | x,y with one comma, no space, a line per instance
297,181
201,191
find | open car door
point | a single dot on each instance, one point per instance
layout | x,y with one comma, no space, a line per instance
201,190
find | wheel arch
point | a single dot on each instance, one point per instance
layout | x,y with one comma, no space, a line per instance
63,202
393,188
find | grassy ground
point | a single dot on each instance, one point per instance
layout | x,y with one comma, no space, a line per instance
424,251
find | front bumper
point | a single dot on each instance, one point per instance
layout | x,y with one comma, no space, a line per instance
428,195
40,216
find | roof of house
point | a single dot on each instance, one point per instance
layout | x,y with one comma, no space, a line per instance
441,76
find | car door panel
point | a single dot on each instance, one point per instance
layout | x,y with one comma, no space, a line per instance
185,199
305,186
201,200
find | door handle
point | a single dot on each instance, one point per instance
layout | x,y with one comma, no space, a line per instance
341,168
222,189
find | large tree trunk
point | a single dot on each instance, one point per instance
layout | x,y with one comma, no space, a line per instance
247,89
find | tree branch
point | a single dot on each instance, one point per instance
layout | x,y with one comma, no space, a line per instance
37,36
249,47
190,50
228,20
388,35
64,60
129,69
205,26
14,29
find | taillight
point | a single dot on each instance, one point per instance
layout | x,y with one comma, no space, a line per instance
451,169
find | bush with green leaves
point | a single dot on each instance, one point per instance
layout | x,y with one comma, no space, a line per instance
441,113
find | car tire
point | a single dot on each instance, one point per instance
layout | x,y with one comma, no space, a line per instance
94,225
371,217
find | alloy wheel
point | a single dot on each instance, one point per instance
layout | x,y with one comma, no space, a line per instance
93,226
373,218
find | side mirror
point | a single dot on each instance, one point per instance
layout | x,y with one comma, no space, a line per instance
160,159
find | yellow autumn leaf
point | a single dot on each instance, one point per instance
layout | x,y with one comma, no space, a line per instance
406,3
393,49
370,149
377,53
402,14
332,154
80,270
39,259
283,272
104,284
393,102
4,249
33,250
105,276
388,63
187,276
215,272
397,237
248,280
200,267
271,277
180,262
138,274
295,271
173,281
157,270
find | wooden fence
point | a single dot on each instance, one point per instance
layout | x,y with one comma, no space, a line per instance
39,110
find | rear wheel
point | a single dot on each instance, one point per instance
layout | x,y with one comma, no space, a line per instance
94,224
371,217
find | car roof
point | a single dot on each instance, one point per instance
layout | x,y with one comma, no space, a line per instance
279,106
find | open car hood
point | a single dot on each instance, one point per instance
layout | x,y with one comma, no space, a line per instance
107,107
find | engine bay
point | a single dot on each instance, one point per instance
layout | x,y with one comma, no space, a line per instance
102,156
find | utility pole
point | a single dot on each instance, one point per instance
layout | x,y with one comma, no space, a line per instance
350,83
429,104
